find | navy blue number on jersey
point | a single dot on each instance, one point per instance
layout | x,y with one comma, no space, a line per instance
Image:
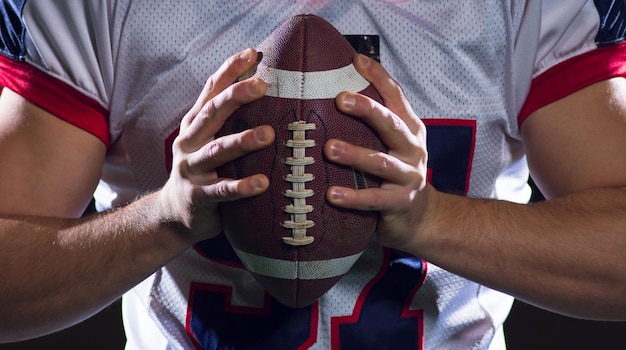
450,145
381,319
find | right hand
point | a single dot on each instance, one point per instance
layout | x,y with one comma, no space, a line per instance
191,195
404,196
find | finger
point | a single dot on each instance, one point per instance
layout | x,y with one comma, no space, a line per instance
372,199
230,190
389,89
380,164
234,67
213,114
228,148
392,130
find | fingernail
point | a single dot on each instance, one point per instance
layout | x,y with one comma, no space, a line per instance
336,149
362,60
260,134
245,55
336,194
256,183
349,101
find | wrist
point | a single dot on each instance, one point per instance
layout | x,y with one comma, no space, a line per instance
189,222
428,220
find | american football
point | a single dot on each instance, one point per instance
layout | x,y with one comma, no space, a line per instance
290,238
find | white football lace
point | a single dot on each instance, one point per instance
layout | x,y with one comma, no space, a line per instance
298,178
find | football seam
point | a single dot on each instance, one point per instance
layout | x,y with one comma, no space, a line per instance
298,178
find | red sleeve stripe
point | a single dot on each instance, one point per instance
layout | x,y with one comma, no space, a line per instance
56,97
574,74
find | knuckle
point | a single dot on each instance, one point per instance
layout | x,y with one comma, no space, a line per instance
419,129
421,154
225,190
207,111
395,85
179,143
396,124
383,165
214,149
182,169
423,162
418,177
210,84
221,190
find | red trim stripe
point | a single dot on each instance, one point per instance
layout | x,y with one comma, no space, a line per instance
574,74
56,97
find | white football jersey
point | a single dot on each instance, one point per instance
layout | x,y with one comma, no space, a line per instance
128,70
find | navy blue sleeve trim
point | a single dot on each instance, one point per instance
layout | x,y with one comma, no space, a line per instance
612,21
12,29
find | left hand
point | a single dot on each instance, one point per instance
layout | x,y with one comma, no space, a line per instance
403,196
193,191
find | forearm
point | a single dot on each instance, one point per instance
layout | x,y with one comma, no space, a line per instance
57,272
564,254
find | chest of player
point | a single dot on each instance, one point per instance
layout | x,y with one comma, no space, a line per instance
466,107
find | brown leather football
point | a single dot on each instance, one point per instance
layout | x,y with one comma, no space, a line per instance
290,238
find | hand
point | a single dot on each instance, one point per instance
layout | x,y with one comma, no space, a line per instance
402,198
193,191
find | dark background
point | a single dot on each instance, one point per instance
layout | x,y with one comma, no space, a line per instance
527,328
